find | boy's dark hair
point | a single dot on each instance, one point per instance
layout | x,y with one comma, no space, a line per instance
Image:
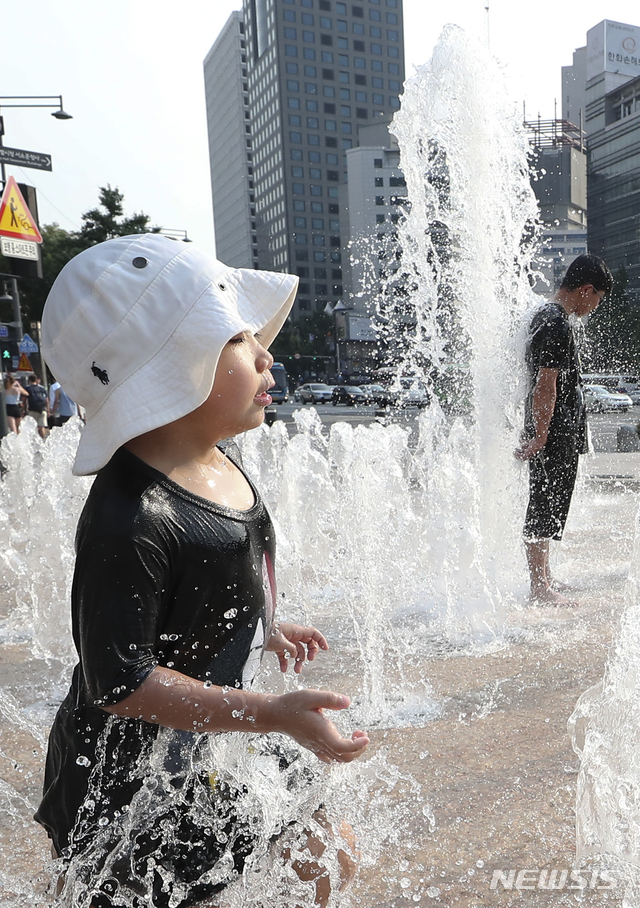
588,269
33,378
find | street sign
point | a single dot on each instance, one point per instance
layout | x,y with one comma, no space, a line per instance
4,331
20,157
19,249
16,221
24,365
27,345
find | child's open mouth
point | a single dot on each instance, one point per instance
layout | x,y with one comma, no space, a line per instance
264,399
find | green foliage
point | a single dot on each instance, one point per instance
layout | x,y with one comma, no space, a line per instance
613,331
309,335
59,246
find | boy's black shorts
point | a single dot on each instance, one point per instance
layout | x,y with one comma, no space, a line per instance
552,477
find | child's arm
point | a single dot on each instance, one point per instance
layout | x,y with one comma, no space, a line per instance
169,698
290,640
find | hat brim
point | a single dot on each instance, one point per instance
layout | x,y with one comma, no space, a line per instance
178,378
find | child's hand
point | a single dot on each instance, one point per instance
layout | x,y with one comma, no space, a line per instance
289,640
300,715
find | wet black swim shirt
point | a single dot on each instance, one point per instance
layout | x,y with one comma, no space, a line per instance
162,577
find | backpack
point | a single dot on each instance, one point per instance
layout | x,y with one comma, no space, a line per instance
37,398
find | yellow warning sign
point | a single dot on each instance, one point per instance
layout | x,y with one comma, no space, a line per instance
15,218
24,365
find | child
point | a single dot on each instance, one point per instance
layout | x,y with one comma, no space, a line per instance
173,592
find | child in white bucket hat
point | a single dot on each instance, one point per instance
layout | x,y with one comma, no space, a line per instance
173,595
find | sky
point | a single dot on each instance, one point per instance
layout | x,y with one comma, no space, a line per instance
130,73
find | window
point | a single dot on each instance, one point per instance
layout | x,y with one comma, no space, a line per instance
392,35
321,289
333,176
329,108
360,80
357,11
314,173
379,181
327,56
343,60
306,18
320,274
377,99
327,40
375,15
293,85
331,158
336,274
379,199
392,51
394,102
345,94
392,18
302,272
313,139
325,5
345,110
311,105
302,303
288,15
377,82
332,192
299,222
297,172
309,37
334,209
303,288
330,125
328,91
346,143
330,142
298,188
344,77
302,255
294,120
319,256
325,22
394,85
295,137
341,25
290,50
316,207
313,123
343,44
359,46
336,257
315,190
290,33
311,88
310,71
300,239
314,157
394,69
377,162
341,9
328,74
376,48
294,103
318,240
296,154
379,219
375,31
334,241
308,53
298,205
361,113
358,29
397,181
359,62
361,96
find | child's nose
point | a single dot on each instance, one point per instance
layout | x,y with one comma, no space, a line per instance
265,360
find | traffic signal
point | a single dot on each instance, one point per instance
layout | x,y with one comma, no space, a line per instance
9,353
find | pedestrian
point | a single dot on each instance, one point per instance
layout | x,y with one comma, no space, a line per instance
173,594
61,407
555,416
14,394
37,404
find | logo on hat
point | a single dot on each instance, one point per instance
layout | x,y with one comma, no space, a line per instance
100,373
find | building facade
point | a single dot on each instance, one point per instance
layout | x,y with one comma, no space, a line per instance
227,95
315,71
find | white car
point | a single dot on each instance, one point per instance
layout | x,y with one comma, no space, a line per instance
599,399
313,393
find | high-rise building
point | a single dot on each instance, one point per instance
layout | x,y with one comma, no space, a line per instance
227,94
315,70
603,89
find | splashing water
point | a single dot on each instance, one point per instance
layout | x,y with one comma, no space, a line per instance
396,548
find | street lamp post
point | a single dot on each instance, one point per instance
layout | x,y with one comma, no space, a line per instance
60,113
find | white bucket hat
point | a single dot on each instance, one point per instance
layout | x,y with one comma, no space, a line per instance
133,329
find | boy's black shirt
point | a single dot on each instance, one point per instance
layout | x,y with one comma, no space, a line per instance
162,577
37,398
551,345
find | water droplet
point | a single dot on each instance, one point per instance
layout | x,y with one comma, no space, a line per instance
433,892
405,882
83,761
103,821
231,613
208,684
479,863
170,664
229,626
132,646
173,636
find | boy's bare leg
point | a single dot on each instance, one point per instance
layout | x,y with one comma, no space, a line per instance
314,871
538,561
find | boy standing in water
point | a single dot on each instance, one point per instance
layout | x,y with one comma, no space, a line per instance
173,592
555,416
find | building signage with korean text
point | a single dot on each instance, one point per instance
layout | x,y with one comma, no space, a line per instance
613,47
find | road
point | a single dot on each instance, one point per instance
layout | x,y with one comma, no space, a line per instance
603,426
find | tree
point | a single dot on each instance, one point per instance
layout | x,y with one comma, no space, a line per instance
613,331
59,246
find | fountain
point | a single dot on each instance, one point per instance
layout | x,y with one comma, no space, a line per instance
402,551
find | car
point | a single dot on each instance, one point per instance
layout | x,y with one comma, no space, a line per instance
376,394
412,394
347,394
599,399
313,393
